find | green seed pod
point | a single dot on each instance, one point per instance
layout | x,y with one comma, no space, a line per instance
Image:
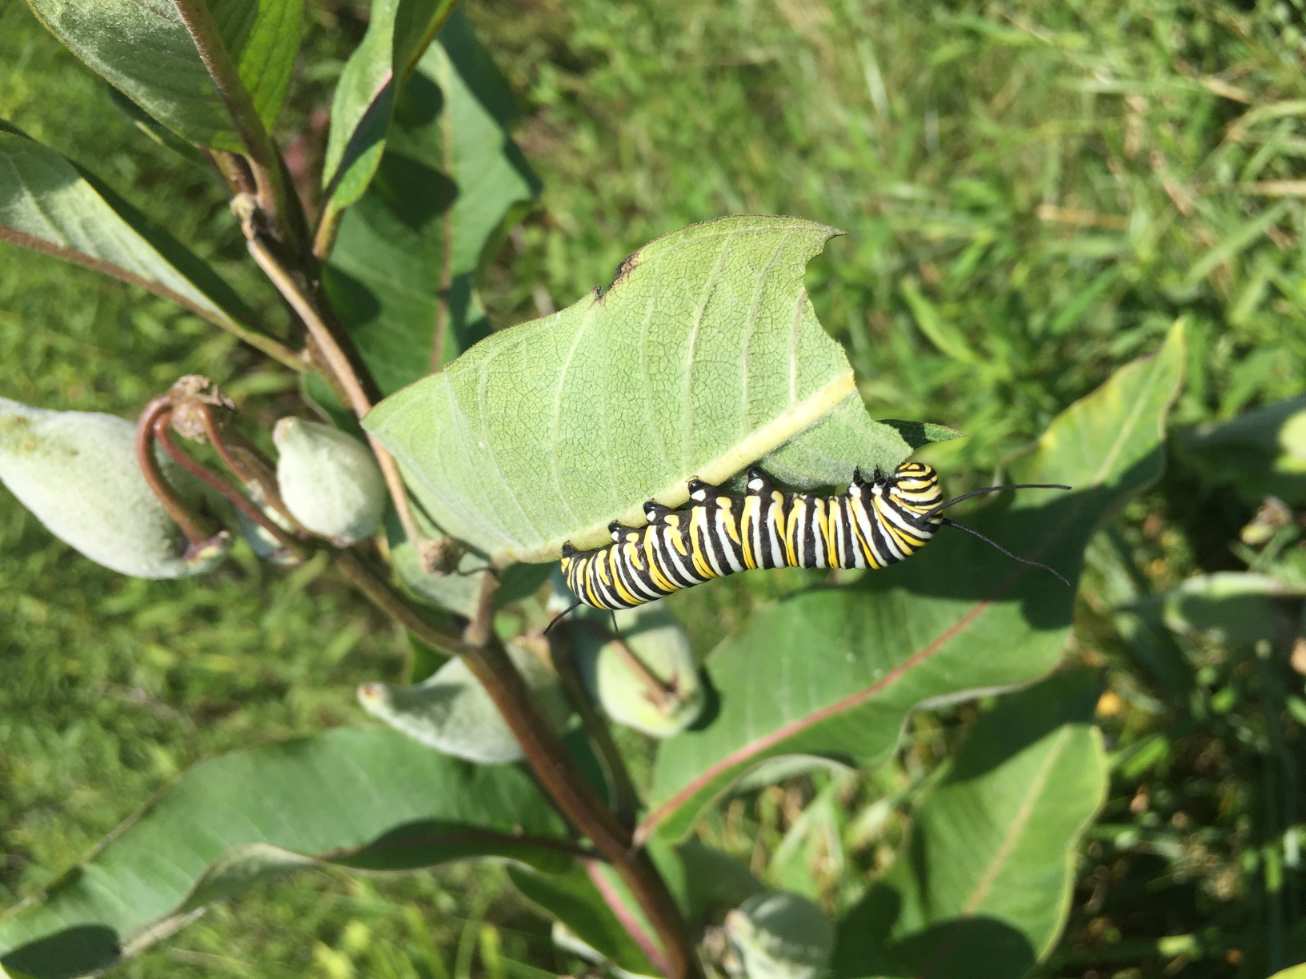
451,712
646,678
779,935
77,472
329,480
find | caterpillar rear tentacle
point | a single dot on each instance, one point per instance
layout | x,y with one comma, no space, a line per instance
878,522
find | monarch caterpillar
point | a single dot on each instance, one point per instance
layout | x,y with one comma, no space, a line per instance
878,522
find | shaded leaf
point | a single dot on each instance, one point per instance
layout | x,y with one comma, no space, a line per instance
401,275
363,798
146,51
986,872
573,899
1261,453
702,356
50,205
836,671
398,31
1227,606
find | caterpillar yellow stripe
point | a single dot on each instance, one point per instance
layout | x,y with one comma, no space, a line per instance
877,522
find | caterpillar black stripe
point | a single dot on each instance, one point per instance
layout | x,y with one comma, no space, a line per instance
878,522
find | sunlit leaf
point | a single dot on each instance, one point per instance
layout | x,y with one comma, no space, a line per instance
397,33
51,206
702,356
146,51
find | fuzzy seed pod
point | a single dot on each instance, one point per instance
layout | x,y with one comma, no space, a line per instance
77,472
646,678
329,480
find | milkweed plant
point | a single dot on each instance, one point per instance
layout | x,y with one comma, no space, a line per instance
527,504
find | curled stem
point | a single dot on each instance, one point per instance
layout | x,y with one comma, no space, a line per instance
156,412
223,488
247,464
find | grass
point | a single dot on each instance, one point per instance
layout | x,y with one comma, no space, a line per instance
1032,194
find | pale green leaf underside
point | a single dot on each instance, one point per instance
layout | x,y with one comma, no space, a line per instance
145,51
986,871
48,205
703,356
835,671
368,798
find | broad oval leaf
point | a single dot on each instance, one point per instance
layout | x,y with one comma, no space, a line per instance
398,31
364,798
836,671
50,205
986,873
402,272
146,51
702,356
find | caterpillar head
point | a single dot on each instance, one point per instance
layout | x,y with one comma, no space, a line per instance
913,485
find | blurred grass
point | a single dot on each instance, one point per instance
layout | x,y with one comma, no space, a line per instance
1033,193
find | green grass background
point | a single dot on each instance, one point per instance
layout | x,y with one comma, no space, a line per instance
1032,194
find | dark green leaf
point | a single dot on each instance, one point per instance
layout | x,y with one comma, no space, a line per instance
1261,453
397,34
363,798
402,272
836,671
49,205
703,881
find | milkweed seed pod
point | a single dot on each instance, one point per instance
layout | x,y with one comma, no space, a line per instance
779,935
451,712
646,678
329,480
76,471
